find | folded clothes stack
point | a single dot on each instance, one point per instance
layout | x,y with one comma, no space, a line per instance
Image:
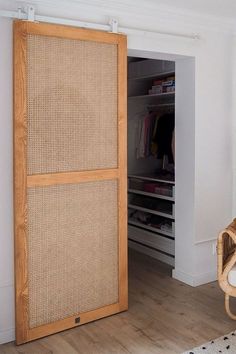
151,220
158,188
163,85
151,187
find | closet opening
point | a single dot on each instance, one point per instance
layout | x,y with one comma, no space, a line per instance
151,162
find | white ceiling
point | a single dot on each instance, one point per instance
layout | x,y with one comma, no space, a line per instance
219,8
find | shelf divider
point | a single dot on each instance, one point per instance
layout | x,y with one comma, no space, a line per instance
152,76
164,94
151,228
154,195
155,212
151,178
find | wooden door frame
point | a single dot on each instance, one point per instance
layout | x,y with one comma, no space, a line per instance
22,181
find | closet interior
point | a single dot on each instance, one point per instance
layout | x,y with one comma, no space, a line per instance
151,157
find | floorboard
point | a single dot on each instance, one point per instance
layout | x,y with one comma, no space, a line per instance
165,317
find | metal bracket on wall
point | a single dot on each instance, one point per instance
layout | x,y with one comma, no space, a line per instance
27,13
30,10
20,14
114,25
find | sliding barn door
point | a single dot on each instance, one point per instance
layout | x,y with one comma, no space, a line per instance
70,177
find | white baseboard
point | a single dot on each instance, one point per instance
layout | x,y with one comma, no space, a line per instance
194,280
7,335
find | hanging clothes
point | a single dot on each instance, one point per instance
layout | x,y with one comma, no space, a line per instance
154,146
164,135
144,135
155,136
173,144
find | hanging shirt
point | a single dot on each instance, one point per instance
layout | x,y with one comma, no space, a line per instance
144,135
164,135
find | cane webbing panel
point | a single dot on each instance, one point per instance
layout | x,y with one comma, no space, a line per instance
72,249
71,105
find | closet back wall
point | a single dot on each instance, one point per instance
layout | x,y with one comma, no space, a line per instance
213,123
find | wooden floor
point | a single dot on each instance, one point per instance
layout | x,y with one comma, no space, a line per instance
164,317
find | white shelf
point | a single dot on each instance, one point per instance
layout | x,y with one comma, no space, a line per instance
152,76
151,228
151,178
148,238
165,94
161,105
154,195
151,252
155,212
155,245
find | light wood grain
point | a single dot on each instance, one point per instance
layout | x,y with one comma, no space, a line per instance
20,200
226,252
58,326
22,181
70,32
165,316
71,177
122,147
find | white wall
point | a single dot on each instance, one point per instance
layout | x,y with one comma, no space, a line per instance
209,180
233,114
185,169
6,183
213,154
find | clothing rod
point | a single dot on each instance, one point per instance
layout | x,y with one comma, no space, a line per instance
109,27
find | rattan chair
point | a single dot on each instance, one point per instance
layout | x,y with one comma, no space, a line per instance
226,251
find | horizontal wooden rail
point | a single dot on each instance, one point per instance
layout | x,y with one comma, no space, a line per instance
50,179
